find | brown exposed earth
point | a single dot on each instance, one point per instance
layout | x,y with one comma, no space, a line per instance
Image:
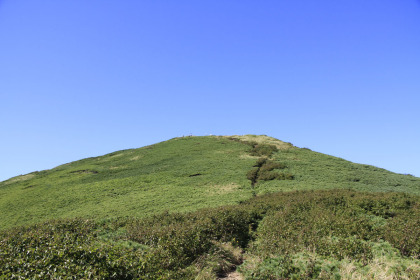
232,276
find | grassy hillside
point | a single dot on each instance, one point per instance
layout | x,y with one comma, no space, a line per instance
200,207
182,174
133,182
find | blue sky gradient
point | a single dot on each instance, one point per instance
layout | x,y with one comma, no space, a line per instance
85,78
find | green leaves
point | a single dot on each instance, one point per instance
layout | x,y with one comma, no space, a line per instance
333,226
263,170
62,248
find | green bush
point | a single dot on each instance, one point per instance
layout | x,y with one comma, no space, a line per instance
252,175
403,232
263,170
262,149
290,267
63,249
340,248
267,176
180,240
260,162
306,224
274,228
271,165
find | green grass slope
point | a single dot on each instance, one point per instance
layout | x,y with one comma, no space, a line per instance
180,175
201,207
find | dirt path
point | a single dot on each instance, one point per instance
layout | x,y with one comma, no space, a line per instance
232,276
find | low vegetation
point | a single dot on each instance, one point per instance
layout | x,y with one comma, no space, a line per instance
200,207
295,235
263,171
182,174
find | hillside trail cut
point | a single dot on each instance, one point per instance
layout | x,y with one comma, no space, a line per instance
232,276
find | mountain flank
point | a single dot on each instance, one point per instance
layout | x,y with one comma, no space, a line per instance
214,207
182,174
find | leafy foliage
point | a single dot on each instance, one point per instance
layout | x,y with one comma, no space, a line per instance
62,249
287,267
262,149
263,171
281,230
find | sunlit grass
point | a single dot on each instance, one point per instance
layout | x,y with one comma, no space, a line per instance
182,174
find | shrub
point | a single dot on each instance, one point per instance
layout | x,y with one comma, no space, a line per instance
274,228
260,162
267,176
262,149
292,267
271,165
308,224
252,175
63,248
341,248
263,171
181,239
403,232
289,176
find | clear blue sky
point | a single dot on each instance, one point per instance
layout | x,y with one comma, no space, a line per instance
84,78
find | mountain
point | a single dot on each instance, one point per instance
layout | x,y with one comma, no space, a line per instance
182,174
202,207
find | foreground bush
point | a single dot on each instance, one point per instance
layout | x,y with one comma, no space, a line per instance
296,235
309,265
64,249
299,266
183,238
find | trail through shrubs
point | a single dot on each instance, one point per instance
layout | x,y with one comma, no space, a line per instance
264,168
302,235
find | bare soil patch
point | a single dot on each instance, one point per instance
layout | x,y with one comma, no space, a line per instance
264,139
232,276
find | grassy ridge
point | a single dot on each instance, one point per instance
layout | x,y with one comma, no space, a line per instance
134,182
314,170
182,174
